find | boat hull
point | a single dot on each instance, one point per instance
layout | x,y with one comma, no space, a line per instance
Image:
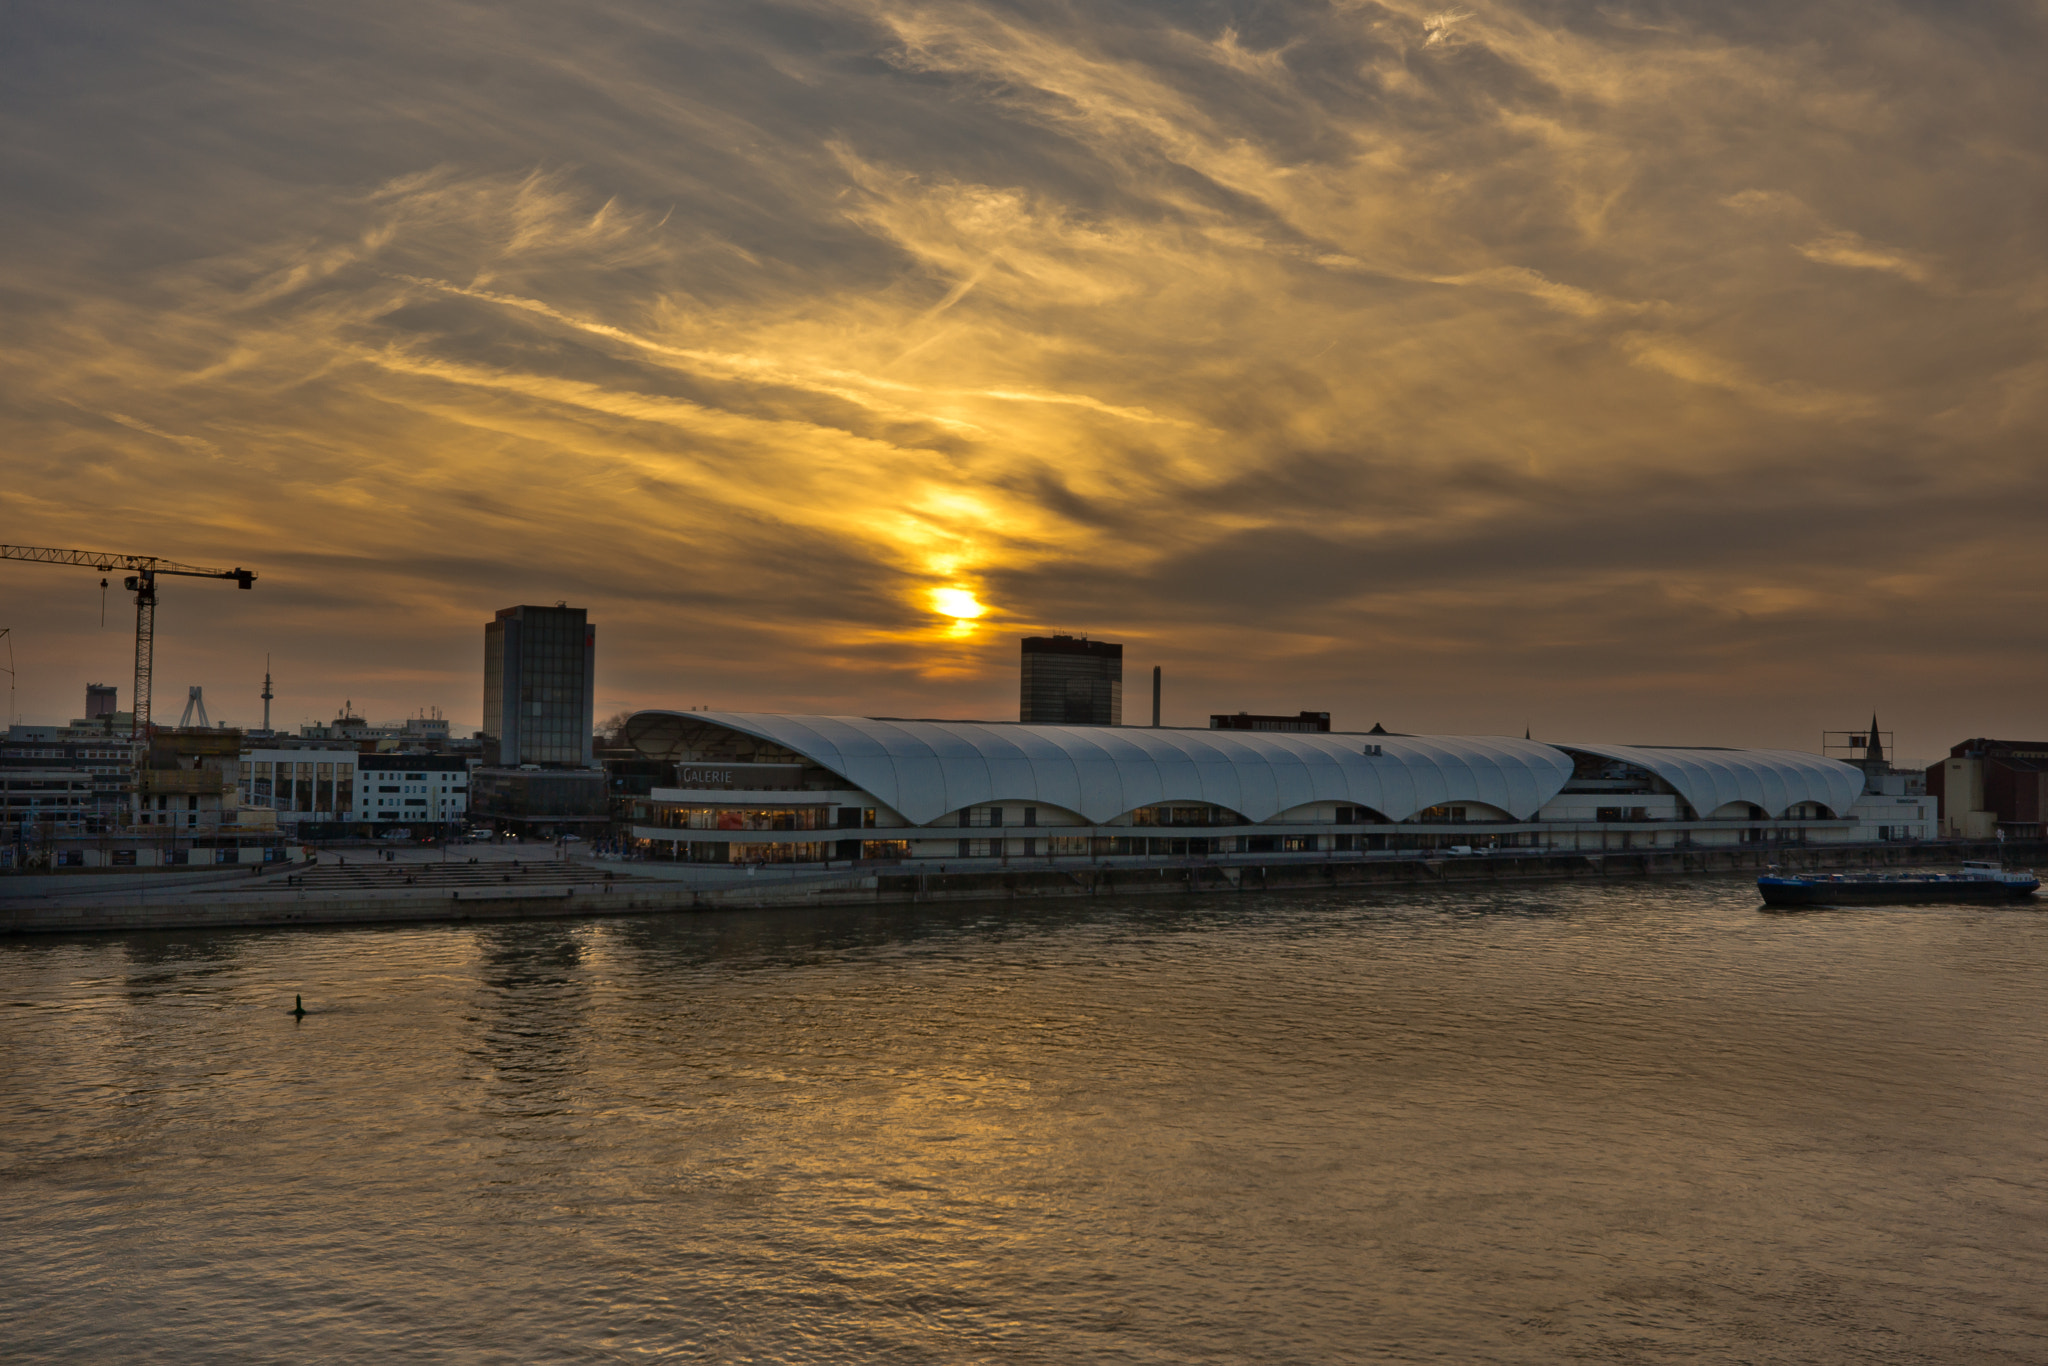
1787,891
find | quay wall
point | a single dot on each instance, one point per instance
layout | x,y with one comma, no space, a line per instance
281,906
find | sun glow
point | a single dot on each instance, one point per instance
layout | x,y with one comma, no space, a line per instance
956,602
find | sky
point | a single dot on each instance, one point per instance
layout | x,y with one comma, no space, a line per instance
1652,373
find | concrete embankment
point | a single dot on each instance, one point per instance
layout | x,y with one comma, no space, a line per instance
584,891
284,907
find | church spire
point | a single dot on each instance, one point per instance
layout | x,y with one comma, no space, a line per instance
1874,751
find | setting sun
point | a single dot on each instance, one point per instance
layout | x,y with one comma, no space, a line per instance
956,602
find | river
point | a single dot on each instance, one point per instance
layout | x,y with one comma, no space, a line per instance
1638,1121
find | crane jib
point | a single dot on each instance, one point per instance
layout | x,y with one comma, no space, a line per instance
105,563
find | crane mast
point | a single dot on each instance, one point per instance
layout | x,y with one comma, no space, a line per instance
141,581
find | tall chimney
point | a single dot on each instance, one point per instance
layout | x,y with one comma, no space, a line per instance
1155,697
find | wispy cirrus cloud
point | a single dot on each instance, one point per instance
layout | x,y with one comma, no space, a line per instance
1841,248
1311,350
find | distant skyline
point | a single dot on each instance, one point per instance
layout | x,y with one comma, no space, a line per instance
1645,373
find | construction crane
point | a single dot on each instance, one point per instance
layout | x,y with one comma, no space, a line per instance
141,581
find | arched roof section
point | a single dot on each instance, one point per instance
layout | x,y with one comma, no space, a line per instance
1313,811
1736,811
925,769
1774,779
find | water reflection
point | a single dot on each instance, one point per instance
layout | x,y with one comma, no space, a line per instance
532,1005
175,960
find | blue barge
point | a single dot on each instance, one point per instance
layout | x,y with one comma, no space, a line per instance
1978,881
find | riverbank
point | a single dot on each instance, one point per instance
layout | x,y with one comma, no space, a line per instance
429,892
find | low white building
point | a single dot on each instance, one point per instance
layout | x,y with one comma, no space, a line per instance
411,789
1896,806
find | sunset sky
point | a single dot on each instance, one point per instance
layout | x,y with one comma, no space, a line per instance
1632,372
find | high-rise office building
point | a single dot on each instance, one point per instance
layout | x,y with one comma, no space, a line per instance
1070,681
540,680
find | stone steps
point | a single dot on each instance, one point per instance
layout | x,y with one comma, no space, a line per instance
508,877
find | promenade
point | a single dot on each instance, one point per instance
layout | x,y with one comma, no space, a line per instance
483,882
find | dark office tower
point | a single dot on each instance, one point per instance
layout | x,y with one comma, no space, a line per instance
540,674
1072,682
99,701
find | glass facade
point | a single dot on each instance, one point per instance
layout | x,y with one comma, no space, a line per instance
742,818
539,672
324,786
494,684
705,851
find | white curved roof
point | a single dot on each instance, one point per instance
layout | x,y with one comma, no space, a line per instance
1773,779
925,769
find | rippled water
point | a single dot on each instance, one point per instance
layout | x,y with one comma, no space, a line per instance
1632,1122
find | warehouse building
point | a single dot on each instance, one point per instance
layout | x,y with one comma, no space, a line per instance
1993,788
755,787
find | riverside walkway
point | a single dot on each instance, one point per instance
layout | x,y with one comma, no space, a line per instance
509,883
466,882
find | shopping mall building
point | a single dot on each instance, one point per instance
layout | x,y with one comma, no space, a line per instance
759,787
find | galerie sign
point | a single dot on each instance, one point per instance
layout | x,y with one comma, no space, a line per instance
744,777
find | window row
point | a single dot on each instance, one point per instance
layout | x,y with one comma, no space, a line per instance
741,818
